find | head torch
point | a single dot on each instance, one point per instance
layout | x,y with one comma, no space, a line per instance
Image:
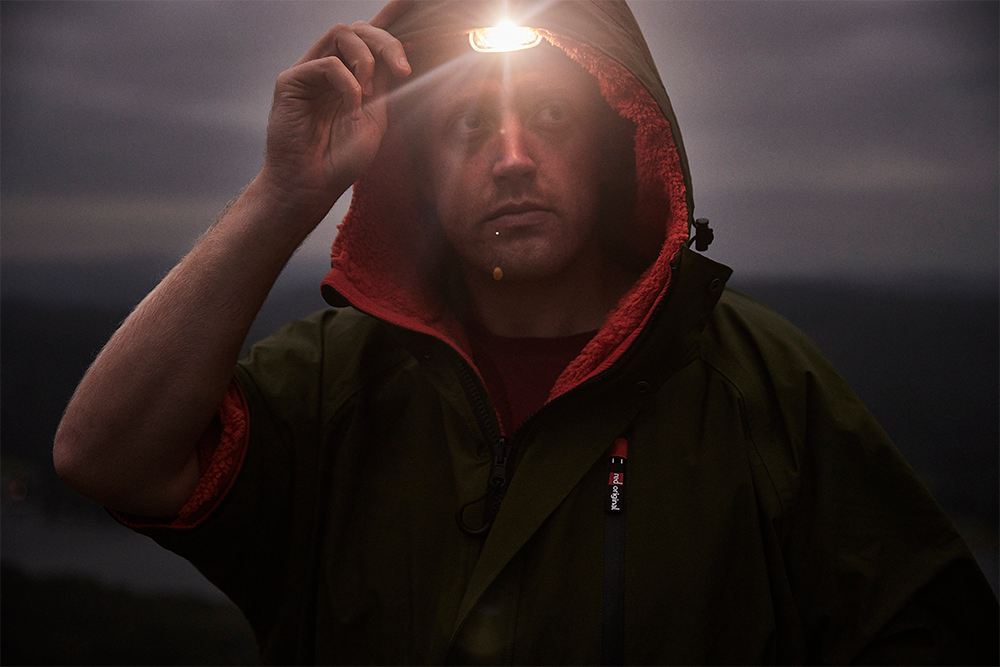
505,36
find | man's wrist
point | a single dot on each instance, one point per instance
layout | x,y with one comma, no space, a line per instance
289,212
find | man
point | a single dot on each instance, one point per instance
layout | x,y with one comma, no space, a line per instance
435,469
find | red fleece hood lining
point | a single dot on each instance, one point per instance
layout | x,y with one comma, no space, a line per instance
384,261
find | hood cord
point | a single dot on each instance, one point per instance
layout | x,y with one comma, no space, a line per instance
703,235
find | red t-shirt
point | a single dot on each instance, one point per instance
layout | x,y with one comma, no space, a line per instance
520,372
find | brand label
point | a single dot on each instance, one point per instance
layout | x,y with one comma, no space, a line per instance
615,500
615,497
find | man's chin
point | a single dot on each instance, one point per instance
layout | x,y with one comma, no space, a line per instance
520,272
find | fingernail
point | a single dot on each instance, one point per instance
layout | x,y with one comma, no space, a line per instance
403,64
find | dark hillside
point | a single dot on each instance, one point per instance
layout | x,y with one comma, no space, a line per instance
45,351
925,364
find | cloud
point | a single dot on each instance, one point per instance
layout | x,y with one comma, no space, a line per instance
839,138
74,227
867,104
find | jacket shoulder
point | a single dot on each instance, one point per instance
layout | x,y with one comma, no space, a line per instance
797,409
769,359
742,330
321,359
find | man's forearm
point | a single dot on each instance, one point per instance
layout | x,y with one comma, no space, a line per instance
128,437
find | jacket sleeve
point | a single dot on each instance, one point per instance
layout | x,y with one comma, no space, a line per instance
242,545
881,574
877,571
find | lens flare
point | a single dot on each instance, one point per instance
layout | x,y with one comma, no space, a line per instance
505,36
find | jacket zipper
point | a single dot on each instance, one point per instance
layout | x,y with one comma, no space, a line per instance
502,452
503,449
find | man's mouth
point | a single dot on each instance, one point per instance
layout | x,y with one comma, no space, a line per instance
517,214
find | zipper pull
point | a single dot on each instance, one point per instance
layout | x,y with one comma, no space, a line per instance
501,455
494,490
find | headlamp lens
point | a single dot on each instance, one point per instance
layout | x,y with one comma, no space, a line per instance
505,36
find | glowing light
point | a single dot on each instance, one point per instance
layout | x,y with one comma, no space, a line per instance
497,273
505,36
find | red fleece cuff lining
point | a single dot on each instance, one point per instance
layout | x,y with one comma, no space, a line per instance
221,450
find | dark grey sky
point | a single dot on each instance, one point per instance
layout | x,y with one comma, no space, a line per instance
849,139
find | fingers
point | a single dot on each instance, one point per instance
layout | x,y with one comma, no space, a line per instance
309,79
360,47
385,46
390,13
325,45
343,42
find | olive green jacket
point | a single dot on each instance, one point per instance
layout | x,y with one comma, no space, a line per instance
769,519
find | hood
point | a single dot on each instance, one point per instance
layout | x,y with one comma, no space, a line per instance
384,260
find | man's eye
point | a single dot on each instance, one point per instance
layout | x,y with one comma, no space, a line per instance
552,113
470,121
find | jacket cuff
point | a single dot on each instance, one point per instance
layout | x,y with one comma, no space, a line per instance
221,449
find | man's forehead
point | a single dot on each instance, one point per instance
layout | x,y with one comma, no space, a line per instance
543,66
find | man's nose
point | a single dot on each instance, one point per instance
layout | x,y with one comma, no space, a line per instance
513,158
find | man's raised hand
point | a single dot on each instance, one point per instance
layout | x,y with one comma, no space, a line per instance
329,113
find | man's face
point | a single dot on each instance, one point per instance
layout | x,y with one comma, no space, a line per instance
515,164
